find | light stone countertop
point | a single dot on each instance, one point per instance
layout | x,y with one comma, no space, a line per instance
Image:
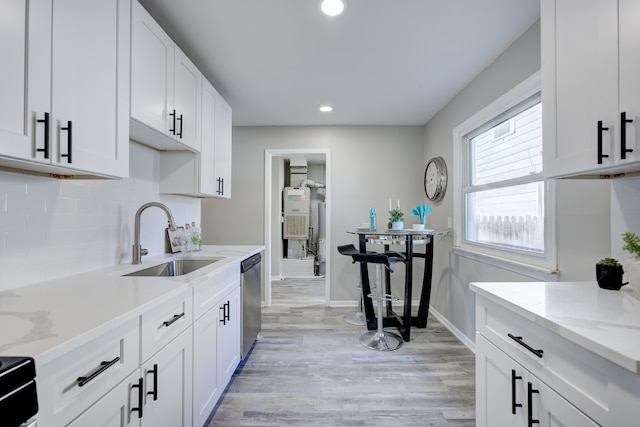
605,322
46,319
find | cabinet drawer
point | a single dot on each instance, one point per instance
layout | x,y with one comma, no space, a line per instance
71,383
582,377
163,323
207,294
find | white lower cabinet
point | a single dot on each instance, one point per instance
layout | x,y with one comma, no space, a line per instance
229,335
158,394
509,395
114,409
158,369
207,387
74,381
167,378
216,340
527,371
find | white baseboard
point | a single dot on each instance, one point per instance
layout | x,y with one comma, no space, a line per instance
346,303
455,331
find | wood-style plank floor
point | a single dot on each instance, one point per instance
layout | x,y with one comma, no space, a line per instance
308,369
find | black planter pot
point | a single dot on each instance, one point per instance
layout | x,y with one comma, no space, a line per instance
609,276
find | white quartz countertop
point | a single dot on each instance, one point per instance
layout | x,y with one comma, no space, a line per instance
602,321
43,319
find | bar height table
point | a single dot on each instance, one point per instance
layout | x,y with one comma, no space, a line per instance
407,238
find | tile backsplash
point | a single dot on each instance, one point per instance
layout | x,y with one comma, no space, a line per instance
52,228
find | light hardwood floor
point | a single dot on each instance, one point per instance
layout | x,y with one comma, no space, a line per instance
308,369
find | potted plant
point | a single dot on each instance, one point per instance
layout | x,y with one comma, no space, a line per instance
632,265
396,217
609,274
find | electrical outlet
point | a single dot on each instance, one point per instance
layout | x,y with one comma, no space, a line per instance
449,222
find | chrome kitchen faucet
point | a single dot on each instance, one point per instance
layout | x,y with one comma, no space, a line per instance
138,250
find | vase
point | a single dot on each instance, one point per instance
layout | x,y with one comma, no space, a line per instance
632,274
609,276
398,225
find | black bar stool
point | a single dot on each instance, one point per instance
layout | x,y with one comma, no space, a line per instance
379,339
358,318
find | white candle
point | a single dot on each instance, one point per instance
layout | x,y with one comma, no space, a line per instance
398,203
389,204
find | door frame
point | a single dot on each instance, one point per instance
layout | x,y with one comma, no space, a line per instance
269,155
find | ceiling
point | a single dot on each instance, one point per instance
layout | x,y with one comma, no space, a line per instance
382,62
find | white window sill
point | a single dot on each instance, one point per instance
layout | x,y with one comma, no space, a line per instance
535,272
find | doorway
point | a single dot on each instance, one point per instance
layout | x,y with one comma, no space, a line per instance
274,179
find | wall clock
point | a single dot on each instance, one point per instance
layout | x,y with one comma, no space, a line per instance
435,179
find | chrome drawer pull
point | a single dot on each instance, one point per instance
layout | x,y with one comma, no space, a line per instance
525,345
103,367
173,319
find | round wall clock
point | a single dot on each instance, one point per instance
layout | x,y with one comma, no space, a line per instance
435,179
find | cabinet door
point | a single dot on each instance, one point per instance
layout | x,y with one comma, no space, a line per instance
25,58
168,384
207,150
629,34
584,58
552,410
90,69
152,71
223,127
206,385
499,397
187,96
115,408
229,336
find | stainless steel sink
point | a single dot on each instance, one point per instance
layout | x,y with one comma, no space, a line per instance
176,267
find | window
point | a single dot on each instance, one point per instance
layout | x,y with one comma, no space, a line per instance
503,208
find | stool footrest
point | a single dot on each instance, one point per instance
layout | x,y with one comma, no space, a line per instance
385,297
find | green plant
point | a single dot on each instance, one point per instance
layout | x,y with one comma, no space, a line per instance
396,215
609,262
631,243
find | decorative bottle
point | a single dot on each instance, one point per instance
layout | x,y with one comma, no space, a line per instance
196,237
186,239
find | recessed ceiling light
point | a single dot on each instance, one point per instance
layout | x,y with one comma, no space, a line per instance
332,7
326,109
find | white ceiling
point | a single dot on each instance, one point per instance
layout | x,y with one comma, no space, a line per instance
383,62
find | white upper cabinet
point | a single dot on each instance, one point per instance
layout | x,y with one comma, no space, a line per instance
590,92
165,88
25,56
207,174
222,148
65,87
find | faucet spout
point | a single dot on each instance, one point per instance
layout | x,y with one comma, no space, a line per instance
138,251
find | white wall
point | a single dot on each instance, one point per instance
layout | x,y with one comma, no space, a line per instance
369,165
51,228
583,219
625,213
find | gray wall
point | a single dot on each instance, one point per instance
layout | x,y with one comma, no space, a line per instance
582,221
368,165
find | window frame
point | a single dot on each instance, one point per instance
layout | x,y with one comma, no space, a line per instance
533,264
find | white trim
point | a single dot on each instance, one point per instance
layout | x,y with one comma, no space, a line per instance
541,274
455,331
343,303
518,94
269,154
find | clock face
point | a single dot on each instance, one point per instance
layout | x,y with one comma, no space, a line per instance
435,179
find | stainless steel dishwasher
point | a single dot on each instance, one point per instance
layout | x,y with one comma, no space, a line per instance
251,295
